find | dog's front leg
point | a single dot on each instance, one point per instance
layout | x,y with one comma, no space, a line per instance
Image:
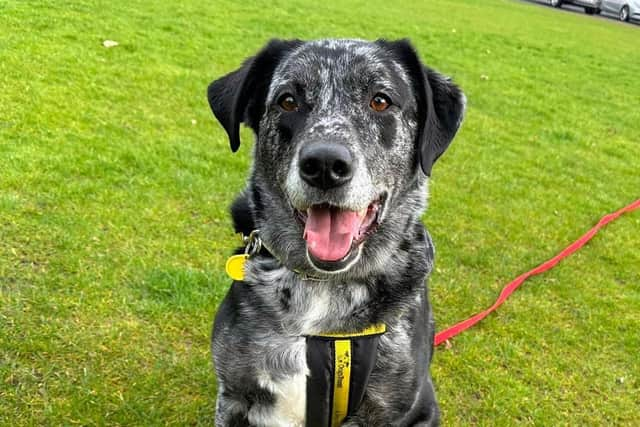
230,412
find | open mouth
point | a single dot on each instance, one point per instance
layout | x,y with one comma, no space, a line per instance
334,234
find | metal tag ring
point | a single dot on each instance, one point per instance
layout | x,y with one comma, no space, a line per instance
254,243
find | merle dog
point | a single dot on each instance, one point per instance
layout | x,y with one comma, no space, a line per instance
347,132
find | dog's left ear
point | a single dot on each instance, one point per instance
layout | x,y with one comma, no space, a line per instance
441,104
239,97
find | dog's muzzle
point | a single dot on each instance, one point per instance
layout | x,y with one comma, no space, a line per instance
334,235
336,218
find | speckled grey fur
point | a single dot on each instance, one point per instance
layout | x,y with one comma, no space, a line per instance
258,340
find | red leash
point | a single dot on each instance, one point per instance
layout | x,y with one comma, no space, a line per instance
454,330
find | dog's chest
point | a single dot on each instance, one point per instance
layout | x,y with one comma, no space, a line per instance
301,308
287,386
305,307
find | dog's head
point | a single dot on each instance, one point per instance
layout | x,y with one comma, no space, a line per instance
346,133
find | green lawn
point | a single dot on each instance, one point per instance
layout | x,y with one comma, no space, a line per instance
115,182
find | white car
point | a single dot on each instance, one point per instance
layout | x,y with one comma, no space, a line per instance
625,9
590,6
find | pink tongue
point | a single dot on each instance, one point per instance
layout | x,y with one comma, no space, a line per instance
330,231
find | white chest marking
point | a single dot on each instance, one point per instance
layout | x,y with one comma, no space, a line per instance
290,405
290,393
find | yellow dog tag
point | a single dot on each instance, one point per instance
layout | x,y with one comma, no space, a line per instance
235,266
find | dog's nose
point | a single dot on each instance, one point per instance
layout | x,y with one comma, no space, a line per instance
326,165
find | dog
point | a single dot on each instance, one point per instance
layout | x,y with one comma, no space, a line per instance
346,134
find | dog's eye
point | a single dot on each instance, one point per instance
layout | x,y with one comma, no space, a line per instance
287,102
380,102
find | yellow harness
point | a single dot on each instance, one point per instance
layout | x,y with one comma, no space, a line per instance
339,365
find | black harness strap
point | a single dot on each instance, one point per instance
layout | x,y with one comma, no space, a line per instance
340,366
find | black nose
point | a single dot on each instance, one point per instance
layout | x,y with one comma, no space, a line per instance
326,165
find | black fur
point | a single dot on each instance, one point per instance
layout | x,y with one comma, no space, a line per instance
239,96
440,104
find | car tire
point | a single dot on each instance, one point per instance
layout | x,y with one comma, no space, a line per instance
555,3
589,10
624,14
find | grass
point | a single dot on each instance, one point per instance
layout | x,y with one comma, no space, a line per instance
115,182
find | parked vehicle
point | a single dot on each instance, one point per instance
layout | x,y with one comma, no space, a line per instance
624,9
590,6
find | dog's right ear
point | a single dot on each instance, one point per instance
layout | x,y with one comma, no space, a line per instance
239,97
